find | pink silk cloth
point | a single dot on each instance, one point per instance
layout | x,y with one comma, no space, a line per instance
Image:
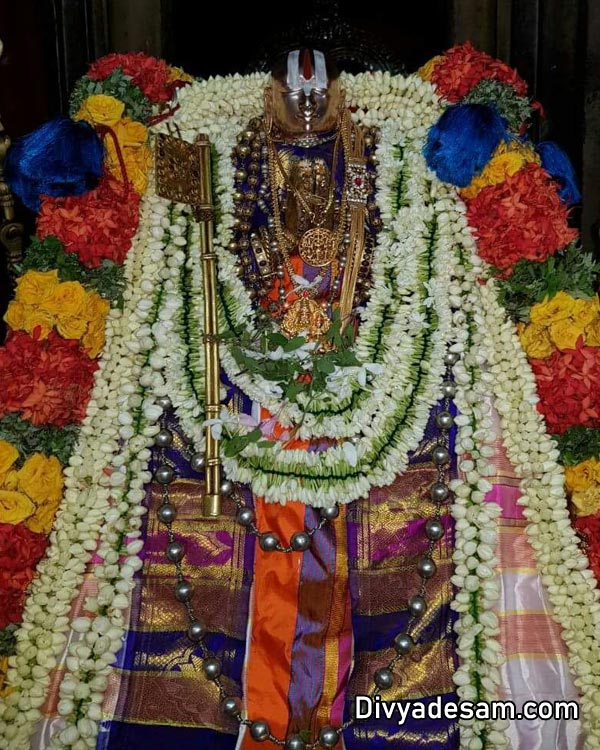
536,665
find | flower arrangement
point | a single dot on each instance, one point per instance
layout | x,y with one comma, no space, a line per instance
96,226
59,317
151,350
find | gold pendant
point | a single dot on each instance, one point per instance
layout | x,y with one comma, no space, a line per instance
305,316
317,247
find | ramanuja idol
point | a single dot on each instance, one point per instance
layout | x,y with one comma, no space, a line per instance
320,491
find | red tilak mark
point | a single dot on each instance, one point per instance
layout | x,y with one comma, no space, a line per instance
307,69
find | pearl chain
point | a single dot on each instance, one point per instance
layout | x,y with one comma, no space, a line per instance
383,678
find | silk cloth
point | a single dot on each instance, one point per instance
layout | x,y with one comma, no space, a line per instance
536,666
158,696
366,560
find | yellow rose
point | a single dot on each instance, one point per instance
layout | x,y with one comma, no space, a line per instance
130,133
42,520
11,480
38,317
101,109
426,71
583,475
14,507
8,455
94,339
592,333
177,74
507,160
587,501
585,311
136,154
96,307
41,479
35,287
536,341
551,310
15,315
3,673
68,300
71,328
564,333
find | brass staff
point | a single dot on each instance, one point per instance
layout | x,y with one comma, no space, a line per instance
183,175
204,213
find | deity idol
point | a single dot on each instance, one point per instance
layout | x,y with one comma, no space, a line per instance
314,464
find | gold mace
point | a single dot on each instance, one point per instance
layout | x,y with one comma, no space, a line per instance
183,174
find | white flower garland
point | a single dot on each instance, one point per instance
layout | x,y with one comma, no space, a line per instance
477,677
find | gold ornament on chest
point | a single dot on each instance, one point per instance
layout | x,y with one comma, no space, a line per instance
318,247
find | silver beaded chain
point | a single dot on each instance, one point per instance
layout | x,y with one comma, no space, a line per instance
383,678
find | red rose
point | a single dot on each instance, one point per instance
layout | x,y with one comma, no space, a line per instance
48,382
522,217
149,73
462,67
94,226
568,384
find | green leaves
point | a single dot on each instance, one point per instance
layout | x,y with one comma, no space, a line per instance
516,109
578,444
273,356
117,84
570,270
8,640
236,444
28,438
48,253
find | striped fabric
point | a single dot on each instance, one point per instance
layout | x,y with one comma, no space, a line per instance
536,663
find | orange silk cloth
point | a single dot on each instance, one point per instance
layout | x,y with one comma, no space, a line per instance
299,631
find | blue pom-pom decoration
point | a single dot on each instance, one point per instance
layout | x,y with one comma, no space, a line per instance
558,165
61,158
462,142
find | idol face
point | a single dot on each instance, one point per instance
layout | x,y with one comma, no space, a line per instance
297,111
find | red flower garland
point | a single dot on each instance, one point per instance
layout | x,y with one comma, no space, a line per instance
522,217
48,382
589,526
569,387
20,551
95,226
149,73
462,67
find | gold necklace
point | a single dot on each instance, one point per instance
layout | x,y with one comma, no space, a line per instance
318,246
299,194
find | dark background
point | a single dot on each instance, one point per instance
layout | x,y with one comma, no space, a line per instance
555,45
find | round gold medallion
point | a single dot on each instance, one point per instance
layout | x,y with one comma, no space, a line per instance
317,247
